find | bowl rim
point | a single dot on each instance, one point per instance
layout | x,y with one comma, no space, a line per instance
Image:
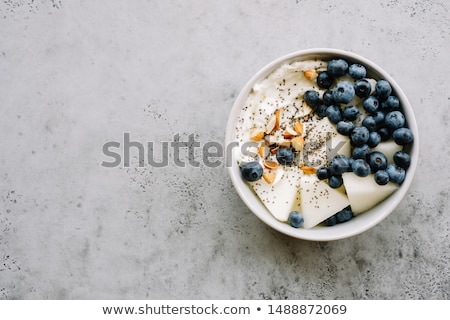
339,231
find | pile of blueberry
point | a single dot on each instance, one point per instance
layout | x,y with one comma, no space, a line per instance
340,217
384,121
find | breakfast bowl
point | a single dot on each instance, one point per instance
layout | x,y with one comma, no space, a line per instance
311,156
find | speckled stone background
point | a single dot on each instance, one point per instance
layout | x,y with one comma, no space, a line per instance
77,74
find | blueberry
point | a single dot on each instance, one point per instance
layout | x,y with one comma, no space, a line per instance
384,133
323,173
361,168
390,104
370,123
357,71
327,98
335,181
383,89
374,139
343,92
371,104
350,164
322,110
361,152
337,67
338,165
381,177
394,120
252,171
359,136
379,117
312,98
403,136
334,114
331,221
324,80
285,156
393,102
296,219
377,161
362,88
402,159
345,127
350,113
396,174
344,215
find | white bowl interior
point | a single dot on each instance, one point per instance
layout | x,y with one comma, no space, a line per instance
359,223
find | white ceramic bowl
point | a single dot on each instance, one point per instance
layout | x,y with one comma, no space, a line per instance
359,223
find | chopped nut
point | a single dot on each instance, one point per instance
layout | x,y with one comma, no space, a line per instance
269,177
310,74
270,127
289,133
271,165
298,127
277,119
306,108
270,140
256,134
274,150
261,150
298,143
308,170
285,143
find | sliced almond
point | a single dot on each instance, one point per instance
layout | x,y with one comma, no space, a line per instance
308,170
277,119
256,134
261,150
285,143
271,123
289,133
274,150
306,109
298,127
269,177
271,165
310,74
270,140
297,143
